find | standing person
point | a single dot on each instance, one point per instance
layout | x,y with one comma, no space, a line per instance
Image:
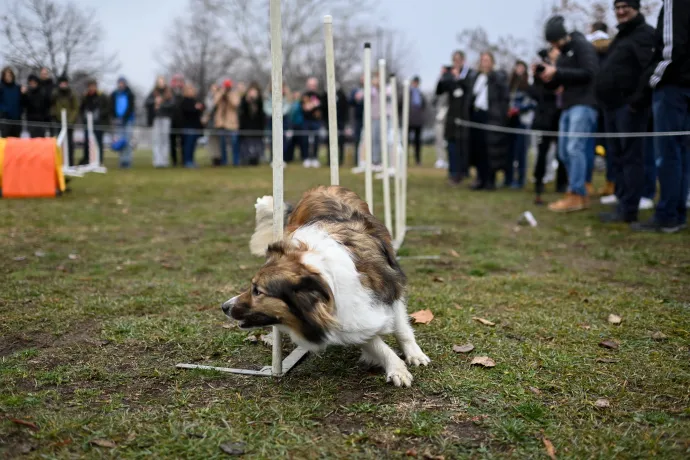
10,104
160,108
177,87
356,101
489,106
226,122
670,82
66,99
208,120
342,109
417,118
575,70
546,118
97,103
47,85
122,104
521,115
35,107
295,136
191,110
455,83
313,108
629,56
252,123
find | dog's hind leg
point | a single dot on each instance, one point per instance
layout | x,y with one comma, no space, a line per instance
377,352
405,336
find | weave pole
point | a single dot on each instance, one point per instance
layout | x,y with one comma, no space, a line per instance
404,155
384,147
277,146
396,161
332,112
368,144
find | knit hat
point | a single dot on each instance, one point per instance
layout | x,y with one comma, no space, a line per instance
63,78
555,29
634,4
122,80
33,77
227,83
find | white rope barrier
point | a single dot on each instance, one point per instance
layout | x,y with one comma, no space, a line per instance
331,98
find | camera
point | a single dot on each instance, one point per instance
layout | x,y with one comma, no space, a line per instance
540,68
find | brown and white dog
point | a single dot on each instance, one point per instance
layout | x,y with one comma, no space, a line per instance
332,280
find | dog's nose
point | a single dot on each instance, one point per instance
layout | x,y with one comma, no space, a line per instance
227,306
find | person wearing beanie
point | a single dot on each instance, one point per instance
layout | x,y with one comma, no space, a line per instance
573,76
66,99
630,53
35,107
10,104
98,104
668,80
122,110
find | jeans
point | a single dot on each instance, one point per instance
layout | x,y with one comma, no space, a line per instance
223,138
188,147
518,154
649,190
125,129
573,151
457,161
670,105
314,127
161,141
627,157
98,134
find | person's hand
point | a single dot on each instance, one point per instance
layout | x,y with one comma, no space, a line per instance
23,89
554,53
199,106
559,90
513,112
548,73
455,72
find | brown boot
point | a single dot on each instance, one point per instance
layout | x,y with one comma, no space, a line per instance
608,189
570,203
590,189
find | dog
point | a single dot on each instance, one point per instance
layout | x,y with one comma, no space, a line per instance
333,279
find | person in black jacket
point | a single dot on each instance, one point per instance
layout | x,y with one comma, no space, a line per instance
35,107
47,85
342,109
455,81
670,81
98,104
356,100
629,55
575,71
191,110
10,104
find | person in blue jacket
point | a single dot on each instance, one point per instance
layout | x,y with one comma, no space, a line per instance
122,103
10,104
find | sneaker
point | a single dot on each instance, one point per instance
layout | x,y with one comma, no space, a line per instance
646,204
570,203
315,163
614,218
306,163
652,226
609,200
441,164
608,189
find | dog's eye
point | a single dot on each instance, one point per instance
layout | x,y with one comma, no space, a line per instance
255,290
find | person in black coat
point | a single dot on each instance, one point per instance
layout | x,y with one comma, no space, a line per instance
47,85
191,110
629,55
489,106
342,109
356,101
456,81
35,107
252,121
10,104
98,104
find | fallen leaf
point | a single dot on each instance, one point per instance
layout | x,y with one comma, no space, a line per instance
588,232
454,253
251,339
131,436
102,443
31,425
422,316
550,450
243,267
119,202
586,327
606,360
266,339
614,319
228,326
602,403
535,390
659,336
63,443
233,448
125,210
457,306
73,256
19,258
485,322
40,254
483,361
411,452
610,344
438,279
463,348
118,268
61,268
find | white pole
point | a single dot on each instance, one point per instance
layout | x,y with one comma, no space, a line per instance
65,146
94,152
404,157
396,156
368,177
332,112
384,147
278,206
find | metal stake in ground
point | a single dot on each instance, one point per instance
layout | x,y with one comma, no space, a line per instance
332,112
368,144
384,147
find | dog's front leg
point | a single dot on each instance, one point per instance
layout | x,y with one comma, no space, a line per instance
377,351
414,355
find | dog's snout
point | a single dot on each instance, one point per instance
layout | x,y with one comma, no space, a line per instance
227,306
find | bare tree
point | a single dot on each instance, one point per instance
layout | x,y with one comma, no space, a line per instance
61,36
506,49
198,46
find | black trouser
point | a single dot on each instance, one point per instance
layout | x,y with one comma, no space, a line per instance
36,131
11,129
627,155
341,148
70,145
417,132
544,143
358,132
175,142
98,134
480,149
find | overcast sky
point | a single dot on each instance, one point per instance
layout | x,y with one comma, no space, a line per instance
135,28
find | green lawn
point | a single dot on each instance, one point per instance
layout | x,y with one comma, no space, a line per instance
104,290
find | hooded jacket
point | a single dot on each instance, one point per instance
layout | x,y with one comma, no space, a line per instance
35,105
98,104
65,99
122,104
577,67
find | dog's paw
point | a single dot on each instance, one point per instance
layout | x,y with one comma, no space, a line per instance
399,375
416,357
264,203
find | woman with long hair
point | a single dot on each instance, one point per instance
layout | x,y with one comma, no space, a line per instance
520,115
252,124
192,110
160,106
489,106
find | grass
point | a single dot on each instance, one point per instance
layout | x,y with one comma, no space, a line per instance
88,343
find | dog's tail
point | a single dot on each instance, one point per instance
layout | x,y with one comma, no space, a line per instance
263,233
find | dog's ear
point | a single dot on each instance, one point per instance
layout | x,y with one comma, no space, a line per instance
276,250
310,300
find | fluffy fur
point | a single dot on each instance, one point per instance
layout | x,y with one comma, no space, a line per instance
332,280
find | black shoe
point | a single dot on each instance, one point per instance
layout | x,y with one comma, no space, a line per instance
615,218
652,226
477,186
538,201
490,187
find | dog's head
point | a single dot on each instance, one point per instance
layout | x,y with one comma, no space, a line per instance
286,292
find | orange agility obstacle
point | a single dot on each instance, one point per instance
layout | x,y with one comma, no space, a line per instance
30,168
